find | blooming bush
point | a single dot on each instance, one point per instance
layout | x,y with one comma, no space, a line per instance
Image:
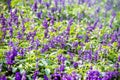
59,40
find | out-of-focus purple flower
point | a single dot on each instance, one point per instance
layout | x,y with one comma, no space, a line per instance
18,76
9,4
86,38
80,52
11,44
108,5
61,58
56,2
40,1
95,24
56,76
0,67
24,77
19,36
10,58
113,37
79,36
75,44
71,54
62,67
100,26
45,77
45,23
75,64
36,73
110,74
11,31
70,22
97,10
3,77
22,51
117,66
118,58
46,33
45,48
52,21
39,14
93,75
96,56
88,55
37,43
54,9
34,7
112,19
47,4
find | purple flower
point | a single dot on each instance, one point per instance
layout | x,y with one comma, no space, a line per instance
45,23
95,24
93,75
10,58
11,31
22,51
18,76
70,22
19,36
3,77
39,14
61,58
56,76
36,73
62,67
46,33
47,4
45,48
45,77
96,56
75,64
86,38
0,67
75,44
53,9
40,1
100,26
8,3
56,2
79,36
24,77
34,7
118,58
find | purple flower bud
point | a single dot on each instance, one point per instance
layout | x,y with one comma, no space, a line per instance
96,56
44,49
39,14
34,7
70,22
47,4
24,77
118,58
0,67
8,3
75,64
45,24
45,77
18,76
62,67
40,1
36,73
75,44
86,38
3,77
19,36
